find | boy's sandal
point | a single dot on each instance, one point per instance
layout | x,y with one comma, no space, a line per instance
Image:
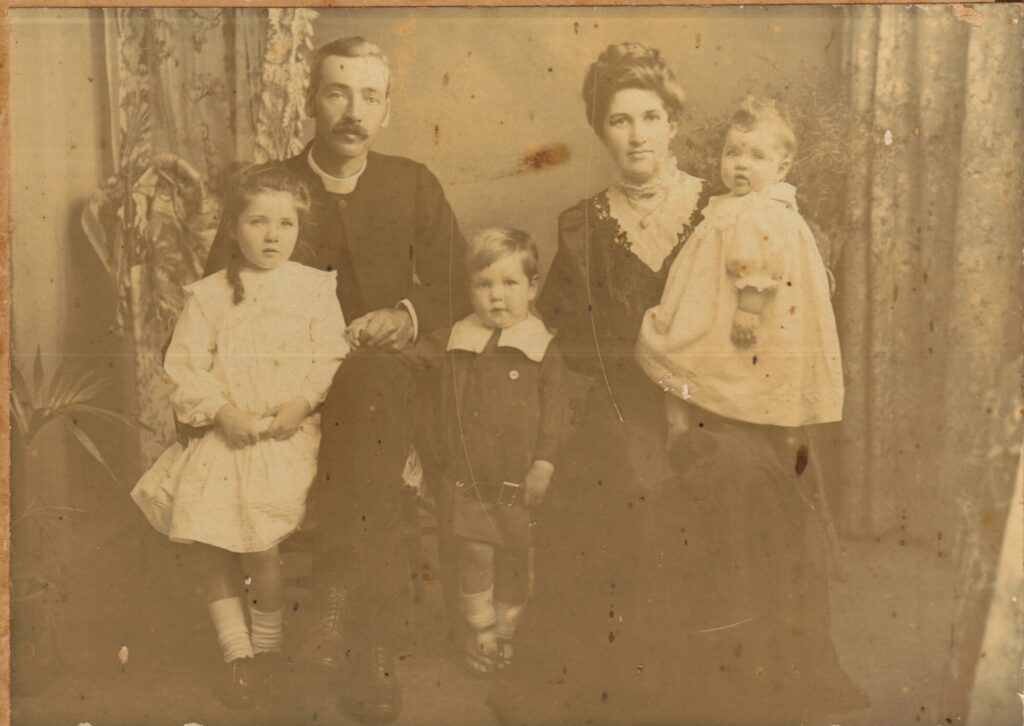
504,656
479,661
480,664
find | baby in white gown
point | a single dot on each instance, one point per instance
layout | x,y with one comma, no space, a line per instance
745,327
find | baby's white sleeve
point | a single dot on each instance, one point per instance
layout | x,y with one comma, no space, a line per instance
198,394
755,245
327,331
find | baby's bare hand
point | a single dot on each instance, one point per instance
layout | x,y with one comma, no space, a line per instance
744,328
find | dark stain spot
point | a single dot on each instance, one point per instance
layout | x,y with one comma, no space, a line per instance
437,135
611,637
551,155
801,460
697,45
444,80
755,360
576,28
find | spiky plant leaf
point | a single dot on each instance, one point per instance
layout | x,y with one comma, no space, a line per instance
87,443
37,375
107,414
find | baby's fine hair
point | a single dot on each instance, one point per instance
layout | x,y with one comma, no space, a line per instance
489,245
754,112
243,186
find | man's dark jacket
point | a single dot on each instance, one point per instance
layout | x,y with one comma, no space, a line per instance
393,238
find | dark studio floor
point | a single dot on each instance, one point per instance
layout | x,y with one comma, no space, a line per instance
891,624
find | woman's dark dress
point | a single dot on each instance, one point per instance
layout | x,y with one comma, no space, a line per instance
635,557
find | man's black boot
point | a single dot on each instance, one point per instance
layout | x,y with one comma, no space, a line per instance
374,695
326,648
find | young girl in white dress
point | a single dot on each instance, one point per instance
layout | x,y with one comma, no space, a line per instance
745,327
252,357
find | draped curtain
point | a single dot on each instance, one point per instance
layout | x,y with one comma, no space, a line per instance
192,91
930,291
929,295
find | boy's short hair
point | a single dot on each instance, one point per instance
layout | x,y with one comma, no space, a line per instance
754,112
489,245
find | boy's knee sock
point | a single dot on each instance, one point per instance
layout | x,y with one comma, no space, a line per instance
479,608
267,630
232,634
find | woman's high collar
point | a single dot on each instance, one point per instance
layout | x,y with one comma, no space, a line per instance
667,176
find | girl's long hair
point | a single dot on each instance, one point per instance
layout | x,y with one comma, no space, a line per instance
245,184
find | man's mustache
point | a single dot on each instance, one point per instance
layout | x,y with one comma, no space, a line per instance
350,128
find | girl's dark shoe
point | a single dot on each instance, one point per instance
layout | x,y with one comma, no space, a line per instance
236,687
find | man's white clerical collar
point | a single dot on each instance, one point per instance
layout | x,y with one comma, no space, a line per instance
334,184
528,336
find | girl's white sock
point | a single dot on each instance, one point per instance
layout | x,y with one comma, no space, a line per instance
232,633
479,608
267,630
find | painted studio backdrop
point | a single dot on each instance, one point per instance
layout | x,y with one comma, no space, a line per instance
125,122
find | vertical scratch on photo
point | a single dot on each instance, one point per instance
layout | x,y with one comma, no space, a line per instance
586,263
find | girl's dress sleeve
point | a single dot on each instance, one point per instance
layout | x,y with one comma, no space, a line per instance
755,244
554,405
327,331
198,394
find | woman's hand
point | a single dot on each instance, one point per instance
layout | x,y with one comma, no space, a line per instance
537,481
744,328
288,416
237,428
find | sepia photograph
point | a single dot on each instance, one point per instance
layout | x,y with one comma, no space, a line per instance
509,366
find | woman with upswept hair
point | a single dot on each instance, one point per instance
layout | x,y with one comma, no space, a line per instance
668,584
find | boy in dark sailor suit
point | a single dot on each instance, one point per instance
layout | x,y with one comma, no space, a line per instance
504,414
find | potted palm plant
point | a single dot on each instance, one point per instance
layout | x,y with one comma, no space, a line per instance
40,543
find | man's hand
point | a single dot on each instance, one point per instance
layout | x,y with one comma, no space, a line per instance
744,328
387,328
288,416
537,481
237,428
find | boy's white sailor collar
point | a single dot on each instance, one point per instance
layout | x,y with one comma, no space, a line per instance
335,184
528,336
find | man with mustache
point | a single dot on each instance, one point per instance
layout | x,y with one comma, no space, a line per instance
384,224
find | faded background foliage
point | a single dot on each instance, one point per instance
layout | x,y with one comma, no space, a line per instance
124,121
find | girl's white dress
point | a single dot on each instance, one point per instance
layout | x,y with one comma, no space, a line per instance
792,375
285,339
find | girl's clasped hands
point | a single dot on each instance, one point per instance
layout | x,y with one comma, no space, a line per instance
281,422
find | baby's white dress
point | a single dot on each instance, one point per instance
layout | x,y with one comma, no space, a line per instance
285,339
792,375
